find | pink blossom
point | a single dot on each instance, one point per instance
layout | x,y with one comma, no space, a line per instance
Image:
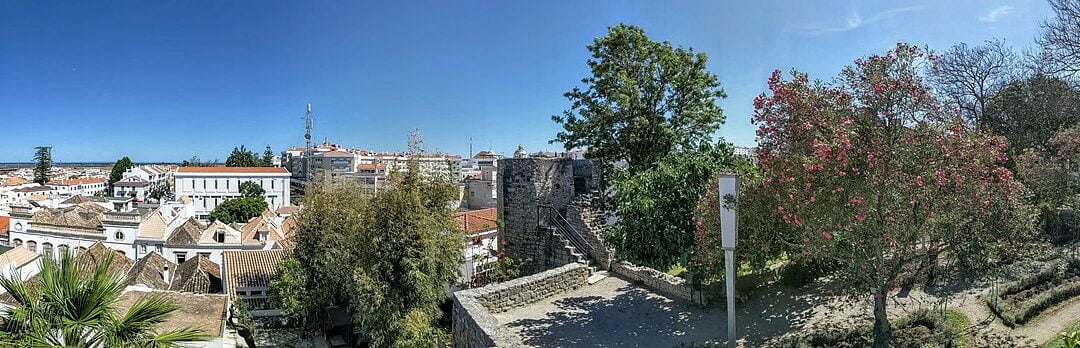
890,219
860,217
827,235
933,215
856,200
919,181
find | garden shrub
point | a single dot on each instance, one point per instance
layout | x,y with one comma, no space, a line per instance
797,274
1014,314
920,328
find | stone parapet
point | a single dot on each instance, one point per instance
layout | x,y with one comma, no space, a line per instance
473,323
661,282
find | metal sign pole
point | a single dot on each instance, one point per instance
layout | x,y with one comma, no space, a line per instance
729,259
728,185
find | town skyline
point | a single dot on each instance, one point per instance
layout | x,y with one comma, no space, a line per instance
492,73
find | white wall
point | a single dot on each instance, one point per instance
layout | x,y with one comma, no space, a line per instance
207,190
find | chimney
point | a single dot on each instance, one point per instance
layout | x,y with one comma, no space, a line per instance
165,274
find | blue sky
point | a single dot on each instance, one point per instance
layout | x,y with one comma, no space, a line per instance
162,81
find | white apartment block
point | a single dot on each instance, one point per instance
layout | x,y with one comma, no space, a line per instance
154,174
80,186
209,186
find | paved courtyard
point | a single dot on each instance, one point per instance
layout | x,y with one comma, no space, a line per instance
613,312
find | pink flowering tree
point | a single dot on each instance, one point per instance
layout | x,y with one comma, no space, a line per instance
870,173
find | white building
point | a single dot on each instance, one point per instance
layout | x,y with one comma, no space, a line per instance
209,186
154,174
481,242
80,186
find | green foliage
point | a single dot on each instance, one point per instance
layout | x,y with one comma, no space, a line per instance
388,257
238,209
194,161
1068,339
656,206
119,168
159,191
242,157
243,322
267,159
1042,291
501,270
798,274
288,291
71,306
250,189
1028,112
920,328
43,162
643,101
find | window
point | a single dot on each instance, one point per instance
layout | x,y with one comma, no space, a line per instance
18,242
241,293
219,236
215,184
32,245
206,255
181,256
79,251
63,249
142,248
119,235
46,249
256,293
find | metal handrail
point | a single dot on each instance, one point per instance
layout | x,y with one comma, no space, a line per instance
556,220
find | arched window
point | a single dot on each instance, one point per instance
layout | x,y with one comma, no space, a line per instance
47,249
63,249
32,245
18,242
119,235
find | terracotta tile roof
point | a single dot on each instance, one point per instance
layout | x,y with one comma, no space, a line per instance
477,220
79,199
153,226
14,181
199,311
84,215
287,210
186,234
249,235
16,257
261,170
197,275
149,271
371,166
78,181
89,259
4,223
250,268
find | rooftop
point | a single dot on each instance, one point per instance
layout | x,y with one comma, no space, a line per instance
477,220
198,311
233,170
250,268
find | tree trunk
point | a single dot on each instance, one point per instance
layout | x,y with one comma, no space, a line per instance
882,331
932,269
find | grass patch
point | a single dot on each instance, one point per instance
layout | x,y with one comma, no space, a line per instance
1018,302
959,322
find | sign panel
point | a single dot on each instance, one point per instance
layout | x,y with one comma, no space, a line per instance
729,194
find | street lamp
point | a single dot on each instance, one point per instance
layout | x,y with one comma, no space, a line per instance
729,194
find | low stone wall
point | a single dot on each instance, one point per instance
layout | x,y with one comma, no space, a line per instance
473,324
659,281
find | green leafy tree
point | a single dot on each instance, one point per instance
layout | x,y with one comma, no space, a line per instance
160,191
243,322
118,169
251,189
656,207
238,210
288,291
242,157
1028,112
643,101
66,305
268,157
43,160
387,256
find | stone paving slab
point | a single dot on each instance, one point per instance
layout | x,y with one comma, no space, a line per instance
613,312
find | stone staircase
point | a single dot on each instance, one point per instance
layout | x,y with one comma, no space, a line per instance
586,215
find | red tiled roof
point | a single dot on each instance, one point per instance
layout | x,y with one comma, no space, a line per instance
79,181
477,220
220,169
370,166
4,222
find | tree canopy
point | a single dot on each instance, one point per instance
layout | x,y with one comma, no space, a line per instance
242,157
874,176
43,162
387,257
1028,112
118,169
644,100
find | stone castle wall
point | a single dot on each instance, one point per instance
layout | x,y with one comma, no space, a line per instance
525,184
473,324
659,281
